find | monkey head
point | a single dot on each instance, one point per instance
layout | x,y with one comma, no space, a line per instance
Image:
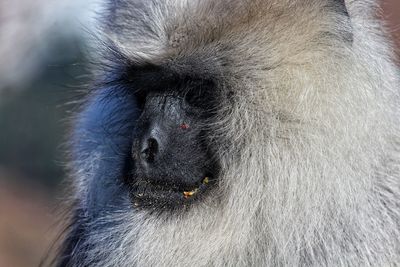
237,133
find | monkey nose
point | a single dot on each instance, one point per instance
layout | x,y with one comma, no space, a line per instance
149,150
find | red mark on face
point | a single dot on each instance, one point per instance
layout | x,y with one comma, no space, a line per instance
184,126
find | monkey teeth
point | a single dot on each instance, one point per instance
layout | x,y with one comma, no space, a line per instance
188,194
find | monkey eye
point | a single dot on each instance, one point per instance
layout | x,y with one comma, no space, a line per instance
141,99
194,97
200,97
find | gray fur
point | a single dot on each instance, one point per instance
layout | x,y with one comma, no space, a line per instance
311,176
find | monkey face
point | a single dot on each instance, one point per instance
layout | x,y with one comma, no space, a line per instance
172,162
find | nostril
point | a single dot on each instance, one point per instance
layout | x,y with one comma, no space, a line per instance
150,150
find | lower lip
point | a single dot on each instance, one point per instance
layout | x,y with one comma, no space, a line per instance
149,195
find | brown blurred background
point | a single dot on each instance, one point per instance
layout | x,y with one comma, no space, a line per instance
391,13
43,48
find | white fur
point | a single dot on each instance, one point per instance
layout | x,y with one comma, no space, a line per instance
312,177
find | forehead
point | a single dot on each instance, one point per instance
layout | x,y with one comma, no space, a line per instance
228,42
167,79
186,37
149,30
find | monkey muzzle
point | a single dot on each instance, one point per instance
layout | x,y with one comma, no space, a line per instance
170,164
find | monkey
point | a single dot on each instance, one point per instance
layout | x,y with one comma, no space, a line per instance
237,133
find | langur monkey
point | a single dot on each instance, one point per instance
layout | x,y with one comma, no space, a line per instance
237,133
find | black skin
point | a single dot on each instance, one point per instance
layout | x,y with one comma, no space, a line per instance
171,155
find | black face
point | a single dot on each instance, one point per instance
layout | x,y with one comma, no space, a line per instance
172,162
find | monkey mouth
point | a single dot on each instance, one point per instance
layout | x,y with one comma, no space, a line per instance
149,194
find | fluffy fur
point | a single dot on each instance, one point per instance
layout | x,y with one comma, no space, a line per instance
310,161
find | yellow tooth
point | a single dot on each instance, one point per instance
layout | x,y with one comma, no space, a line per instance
188,194
206,180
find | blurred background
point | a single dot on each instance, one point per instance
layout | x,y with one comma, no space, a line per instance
43,53
43,48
